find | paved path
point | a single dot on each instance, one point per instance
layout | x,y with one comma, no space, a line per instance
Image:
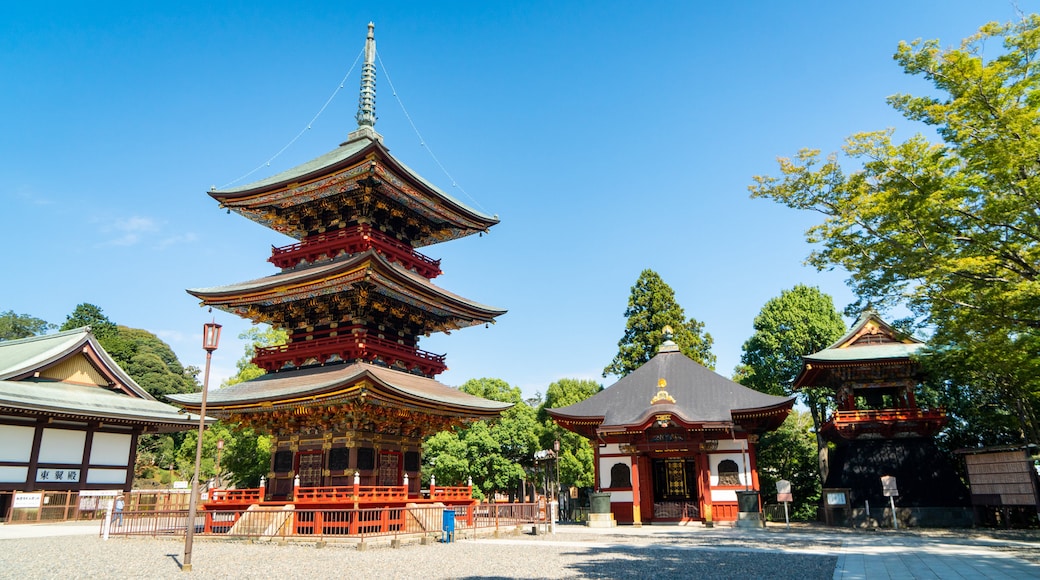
856,555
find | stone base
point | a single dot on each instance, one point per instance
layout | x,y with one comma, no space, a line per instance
601,521
750,520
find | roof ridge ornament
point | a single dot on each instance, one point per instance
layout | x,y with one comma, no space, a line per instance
668,345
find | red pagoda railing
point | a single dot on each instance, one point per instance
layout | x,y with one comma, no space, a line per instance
349,346
353,240
343,494
886,422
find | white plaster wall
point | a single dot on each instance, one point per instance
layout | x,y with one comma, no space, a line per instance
110,449
610,448
621,496
715,458
16,443
62,446
731,445
96,475
605,465
723,495
13,474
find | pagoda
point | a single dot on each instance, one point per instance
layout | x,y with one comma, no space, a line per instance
877,428
350,396
674,441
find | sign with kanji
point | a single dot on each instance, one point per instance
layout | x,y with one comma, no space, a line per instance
783,491
888,486
49,475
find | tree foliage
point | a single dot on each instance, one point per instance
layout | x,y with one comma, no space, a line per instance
652,307
799,322
256,337
495,454
790,453
949,229
575,455
14,326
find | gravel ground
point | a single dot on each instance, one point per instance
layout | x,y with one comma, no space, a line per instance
571,555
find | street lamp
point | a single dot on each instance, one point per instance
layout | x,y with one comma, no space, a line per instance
210,340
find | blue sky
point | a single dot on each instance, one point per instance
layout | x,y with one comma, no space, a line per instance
609,137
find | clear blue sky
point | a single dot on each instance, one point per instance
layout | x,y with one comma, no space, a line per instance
609,137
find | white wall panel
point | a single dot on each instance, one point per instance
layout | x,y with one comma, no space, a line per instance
16,442
62,446
13,474
95,475
110,449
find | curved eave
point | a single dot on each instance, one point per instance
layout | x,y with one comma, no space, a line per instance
342,383
331,277
90,404
813,369
361,157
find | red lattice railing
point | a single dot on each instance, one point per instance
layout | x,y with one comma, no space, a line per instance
353,240
353,344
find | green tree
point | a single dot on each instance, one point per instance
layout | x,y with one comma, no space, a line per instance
258,336
106,332
247,457
790,453
652,307
575,455
950,229
801,321
495,454
14,326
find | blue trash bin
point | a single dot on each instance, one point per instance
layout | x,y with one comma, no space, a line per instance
448,526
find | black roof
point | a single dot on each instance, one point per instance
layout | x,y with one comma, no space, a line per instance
701,395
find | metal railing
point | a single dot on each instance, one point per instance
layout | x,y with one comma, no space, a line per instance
285,523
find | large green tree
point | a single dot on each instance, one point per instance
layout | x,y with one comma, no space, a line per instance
14,326
799,322
950,229
495,454
789,453
652,307
575,455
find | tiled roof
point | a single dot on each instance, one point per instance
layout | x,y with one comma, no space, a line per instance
18,357
357,147
315,381
701,395
90,402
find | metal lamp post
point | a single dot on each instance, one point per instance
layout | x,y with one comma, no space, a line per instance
210,340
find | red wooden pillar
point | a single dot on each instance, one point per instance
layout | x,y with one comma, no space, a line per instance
752,440
636,516
704,475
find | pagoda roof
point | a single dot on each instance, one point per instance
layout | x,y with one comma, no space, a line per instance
342,382
869,340
68,374
362,155
692,393
332,277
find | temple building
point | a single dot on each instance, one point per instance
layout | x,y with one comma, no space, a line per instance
70,418
878,429
350,396
673,440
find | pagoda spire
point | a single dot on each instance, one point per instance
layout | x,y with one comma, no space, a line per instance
366,115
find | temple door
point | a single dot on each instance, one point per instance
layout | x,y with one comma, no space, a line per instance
309,468
390,468
675,489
